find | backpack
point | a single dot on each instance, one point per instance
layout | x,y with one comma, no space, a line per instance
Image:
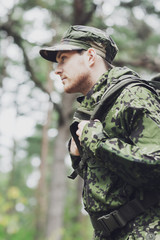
155,81
134,207
117,87
109,98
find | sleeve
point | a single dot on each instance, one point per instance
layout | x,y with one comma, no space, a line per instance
136,161
75,161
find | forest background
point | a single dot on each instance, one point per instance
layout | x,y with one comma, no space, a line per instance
37,200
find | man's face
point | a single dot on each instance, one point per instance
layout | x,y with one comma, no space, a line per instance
73,70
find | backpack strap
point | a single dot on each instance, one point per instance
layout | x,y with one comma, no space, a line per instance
114,91
119,218
106,101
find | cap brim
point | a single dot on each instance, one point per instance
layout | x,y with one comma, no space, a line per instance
49,53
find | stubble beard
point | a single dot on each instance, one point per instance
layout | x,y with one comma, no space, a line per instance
81,84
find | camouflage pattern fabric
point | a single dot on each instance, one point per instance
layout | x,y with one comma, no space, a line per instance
80,37
122,155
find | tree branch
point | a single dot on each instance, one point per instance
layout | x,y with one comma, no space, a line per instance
81,16
18,40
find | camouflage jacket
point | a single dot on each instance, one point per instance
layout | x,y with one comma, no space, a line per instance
122,152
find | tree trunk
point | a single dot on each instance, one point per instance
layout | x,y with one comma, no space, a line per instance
42,186
41,193
54,229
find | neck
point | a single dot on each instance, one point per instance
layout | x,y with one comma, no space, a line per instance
98,71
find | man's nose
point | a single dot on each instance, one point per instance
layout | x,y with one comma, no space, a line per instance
58,70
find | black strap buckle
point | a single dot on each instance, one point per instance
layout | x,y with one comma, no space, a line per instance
111,222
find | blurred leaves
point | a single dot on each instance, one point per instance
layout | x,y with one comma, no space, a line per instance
25,27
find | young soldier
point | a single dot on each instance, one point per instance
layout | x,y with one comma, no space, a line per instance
118,154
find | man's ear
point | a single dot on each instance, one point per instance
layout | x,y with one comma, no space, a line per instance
91,56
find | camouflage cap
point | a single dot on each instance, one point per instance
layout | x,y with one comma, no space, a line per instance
80,37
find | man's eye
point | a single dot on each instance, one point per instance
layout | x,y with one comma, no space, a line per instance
63,58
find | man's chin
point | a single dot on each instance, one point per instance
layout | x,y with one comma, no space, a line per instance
69,90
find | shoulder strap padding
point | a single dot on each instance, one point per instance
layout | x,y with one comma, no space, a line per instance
114,91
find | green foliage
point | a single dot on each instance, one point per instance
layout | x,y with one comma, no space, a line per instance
76,224
41,67
13,216
137,39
